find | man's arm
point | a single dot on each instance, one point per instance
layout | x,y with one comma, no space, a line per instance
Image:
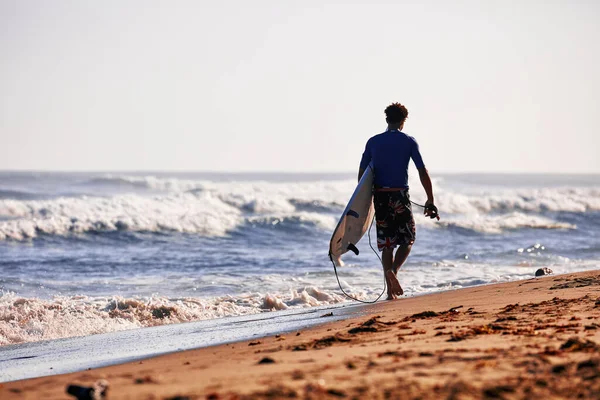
426,182
364,160
361,171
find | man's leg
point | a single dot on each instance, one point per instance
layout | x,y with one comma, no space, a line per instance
391,278
387,258
393,286
401,256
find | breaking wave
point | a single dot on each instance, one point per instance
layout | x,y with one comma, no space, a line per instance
331,196
142,182
501,223
19,195
31,319
202,214
530,200
218,208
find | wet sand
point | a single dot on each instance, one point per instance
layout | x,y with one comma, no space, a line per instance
526,339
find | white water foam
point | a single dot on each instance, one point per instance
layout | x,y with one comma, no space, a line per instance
124,182
495,224
571,199
202,213
214,209
33,319
524,200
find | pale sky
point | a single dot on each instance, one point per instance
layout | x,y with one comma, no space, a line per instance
491,86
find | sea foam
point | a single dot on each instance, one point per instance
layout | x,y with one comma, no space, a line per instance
33,319
218,208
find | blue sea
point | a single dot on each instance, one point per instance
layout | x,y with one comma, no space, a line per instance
88,253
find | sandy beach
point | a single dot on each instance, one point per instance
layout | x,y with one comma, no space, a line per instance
524,339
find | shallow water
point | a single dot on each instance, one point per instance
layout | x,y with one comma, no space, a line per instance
89,253
60,356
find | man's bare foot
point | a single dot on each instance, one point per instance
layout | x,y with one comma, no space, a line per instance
388,284
394,288
390,295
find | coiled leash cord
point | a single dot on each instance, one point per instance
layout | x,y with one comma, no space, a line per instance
434,211
434,214
377,254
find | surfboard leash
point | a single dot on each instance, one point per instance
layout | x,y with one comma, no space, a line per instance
434,214
434,211
338,278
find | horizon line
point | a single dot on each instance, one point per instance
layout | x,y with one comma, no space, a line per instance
182,171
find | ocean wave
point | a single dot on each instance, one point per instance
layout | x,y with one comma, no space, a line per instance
298,220
176,185
576,200
203,214
213,210
318,206
494,224
31,319
19,195
330,196
218,208
251,203
121,182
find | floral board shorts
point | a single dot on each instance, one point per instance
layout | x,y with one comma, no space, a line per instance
394,219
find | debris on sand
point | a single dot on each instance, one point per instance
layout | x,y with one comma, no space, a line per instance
576,344
424,314
328,341
371,325
362,329
543,271
497,392
431,314
145,379
96,392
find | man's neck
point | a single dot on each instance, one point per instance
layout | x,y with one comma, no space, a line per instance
395,127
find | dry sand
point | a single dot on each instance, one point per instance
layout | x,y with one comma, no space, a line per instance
538,338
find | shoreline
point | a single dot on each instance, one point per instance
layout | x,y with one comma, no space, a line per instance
30,360
38,359
528,338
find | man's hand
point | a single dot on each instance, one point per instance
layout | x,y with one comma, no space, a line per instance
431,210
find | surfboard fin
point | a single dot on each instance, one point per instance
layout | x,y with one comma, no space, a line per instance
352,213
353,248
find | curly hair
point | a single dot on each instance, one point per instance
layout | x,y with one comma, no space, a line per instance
396,113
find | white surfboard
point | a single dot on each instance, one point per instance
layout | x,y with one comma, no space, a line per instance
355,220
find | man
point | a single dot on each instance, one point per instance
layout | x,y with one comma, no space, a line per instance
389,154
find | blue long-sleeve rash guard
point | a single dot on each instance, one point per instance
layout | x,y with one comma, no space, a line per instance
389,153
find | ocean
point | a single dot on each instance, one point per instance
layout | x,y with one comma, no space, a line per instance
90,253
